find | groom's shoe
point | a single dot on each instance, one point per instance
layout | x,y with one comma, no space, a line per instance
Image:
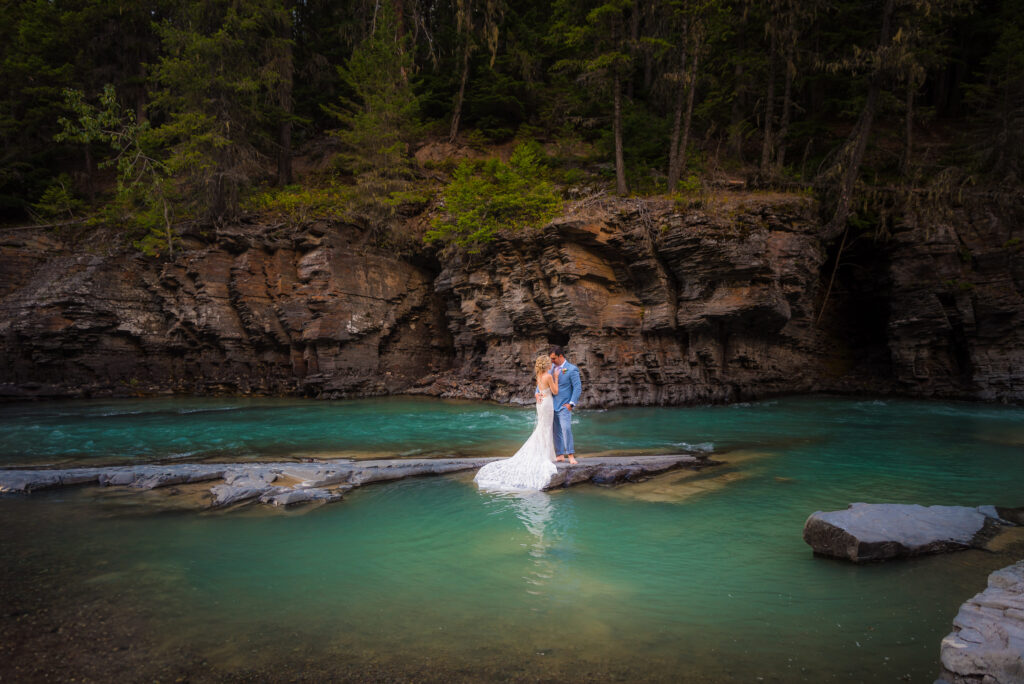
572,460
559,458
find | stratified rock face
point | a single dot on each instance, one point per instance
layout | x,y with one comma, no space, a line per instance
246,312
956,325
656,304
873,532
987,641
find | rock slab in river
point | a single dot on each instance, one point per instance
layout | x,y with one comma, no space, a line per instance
324,481
987,641
870,532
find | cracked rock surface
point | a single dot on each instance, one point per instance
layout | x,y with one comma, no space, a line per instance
285,484
986,645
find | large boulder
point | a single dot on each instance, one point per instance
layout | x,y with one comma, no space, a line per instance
871,532
987,641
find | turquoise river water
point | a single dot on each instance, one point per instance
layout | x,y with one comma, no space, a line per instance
687,577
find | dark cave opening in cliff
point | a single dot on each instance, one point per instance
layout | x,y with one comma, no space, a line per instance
857,312
558,338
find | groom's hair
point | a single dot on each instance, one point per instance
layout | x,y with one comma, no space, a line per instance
557,351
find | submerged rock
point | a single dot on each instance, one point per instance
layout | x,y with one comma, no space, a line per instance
869,532
987,641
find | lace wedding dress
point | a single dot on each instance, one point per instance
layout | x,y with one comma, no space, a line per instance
533,465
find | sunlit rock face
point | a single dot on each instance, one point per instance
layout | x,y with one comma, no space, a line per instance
657,303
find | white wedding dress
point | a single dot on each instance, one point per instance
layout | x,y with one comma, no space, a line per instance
533,465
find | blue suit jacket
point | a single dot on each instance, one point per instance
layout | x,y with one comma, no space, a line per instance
569,386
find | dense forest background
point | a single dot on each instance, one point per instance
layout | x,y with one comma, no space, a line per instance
488,114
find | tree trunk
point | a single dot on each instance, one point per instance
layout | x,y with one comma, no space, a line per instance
736,114
691,85
620,165
909,145
399,9
457,112
634,41
860,136
140,95
786,107
739,99
284,153
769,110
677,121
90,177
648,71
287,104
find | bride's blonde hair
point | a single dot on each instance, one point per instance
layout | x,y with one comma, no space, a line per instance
541,364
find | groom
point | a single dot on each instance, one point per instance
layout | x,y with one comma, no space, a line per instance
569,388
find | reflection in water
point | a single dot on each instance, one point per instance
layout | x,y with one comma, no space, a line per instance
535,511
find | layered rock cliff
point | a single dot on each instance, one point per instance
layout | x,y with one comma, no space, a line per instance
657,304
255,309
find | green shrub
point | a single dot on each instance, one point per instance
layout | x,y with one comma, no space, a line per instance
298,204
58,201
483,199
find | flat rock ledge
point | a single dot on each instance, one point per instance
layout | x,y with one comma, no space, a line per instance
285,484
874,532
986,645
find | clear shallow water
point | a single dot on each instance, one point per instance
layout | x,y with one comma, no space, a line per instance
112,431
699,577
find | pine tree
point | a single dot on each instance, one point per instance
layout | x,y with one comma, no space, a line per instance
597,36
215,81
381,118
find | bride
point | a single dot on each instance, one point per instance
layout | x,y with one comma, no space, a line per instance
533,465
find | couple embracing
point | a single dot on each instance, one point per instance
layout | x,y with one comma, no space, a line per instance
558,390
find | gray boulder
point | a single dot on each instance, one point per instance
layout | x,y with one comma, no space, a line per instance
986,645
871,532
